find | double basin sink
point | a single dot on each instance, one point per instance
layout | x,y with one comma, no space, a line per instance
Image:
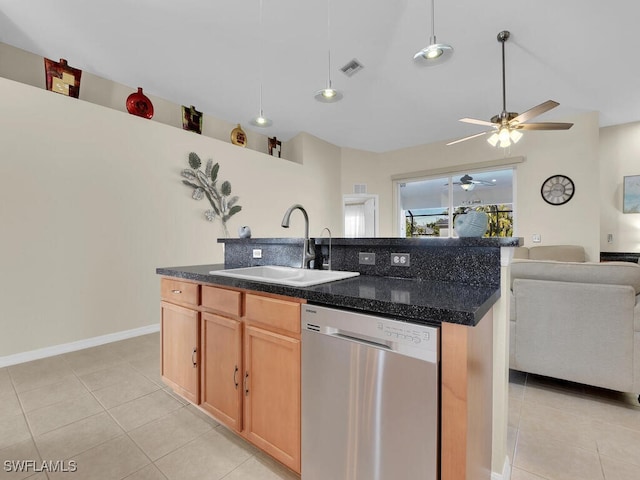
290,276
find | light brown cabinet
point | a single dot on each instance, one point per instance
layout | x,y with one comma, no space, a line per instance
248,359
180,339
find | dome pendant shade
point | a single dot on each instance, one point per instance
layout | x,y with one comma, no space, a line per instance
435,53
261,121
328,95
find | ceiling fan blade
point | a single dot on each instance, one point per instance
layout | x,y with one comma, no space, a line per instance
545,126
483,182
534,112
477,122
467,138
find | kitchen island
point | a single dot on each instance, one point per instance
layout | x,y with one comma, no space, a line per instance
463,311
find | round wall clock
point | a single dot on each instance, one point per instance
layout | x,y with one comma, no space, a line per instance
557,190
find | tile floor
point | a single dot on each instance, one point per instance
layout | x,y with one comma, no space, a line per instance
564,431
106,409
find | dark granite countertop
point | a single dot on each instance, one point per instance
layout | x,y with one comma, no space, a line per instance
412,300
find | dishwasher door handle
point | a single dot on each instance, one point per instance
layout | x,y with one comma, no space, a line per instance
363,341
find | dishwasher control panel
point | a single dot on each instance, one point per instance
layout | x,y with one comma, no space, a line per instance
419,341
402,332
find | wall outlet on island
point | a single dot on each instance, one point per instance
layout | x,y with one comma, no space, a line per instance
537,238
400,259
257,253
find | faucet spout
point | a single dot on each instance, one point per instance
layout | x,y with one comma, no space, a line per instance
308,253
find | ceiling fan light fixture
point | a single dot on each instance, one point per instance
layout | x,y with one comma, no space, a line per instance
468,186
516,135
493,139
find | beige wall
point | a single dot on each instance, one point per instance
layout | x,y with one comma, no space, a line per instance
619,157
573,153
92,202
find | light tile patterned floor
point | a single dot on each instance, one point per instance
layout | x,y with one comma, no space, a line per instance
564,431
107,409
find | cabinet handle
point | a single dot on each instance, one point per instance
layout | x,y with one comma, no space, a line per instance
246,390
235,380
193,357
177,292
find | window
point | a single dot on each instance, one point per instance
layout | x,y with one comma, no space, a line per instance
428,206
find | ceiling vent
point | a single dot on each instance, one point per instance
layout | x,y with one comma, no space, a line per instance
351,67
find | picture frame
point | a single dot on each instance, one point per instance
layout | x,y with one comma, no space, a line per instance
61,78
631,194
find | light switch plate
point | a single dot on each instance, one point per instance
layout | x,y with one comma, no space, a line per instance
366,258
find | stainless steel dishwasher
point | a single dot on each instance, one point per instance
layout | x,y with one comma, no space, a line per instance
370,397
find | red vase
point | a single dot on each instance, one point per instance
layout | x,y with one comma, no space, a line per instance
139,104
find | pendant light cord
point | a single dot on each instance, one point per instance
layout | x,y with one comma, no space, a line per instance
328,40
433,22
261,56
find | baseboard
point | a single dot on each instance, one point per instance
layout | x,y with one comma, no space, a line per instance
506,471
73,346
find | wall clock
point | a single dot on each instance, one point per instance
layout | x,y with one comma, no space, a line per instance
557,190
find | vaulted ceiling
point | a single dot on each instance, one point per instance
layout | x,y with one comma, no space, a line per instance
210,53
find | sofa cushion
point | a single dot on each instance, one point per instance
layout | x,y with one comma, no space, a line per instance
609,273
560,253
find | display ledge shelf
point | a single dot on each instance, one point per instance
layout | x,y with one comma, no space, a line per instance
28,68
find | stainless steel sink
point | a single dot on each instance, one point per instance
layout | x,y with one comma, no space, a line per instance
295,277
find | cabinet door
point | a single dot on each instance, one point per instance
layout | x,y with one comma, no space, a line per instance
272,394
180,340
222,372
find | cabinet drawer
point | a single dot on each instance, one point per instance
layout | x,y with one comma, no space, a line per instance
176,291
273,312
221,300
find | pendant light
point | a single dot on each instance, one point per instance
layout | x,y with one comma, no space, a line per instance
435,53
261,120
329,94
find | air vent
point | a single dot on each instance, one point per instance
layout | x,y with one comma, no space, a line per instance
359,188
314,328
352,67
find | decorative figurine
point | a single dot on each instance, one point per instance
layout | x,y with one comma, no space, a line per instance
139,104
275,147
238,137
191,119
244,232
61,78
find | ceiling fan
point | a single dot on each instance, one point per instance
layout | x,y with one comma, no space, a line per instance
506,126
468,183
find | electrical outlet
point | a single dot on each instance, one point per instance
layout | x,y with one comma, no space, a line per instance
400,259
257,253
537,238
609,237
365,258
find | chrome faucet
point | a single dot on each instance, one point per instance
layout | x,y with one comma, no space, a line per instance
327,264
308,253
